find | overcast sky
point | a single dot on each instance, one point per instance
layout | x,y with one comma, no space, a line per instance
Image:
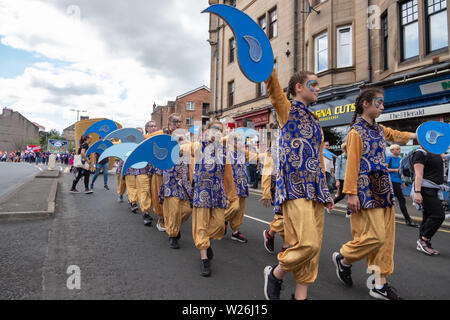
113,58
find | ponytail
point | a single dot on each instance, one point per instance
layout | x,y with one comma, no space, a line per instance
365,95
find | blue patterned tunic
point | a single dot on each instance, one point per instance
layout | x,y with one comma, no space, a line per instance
238,163
209,191
300,174
136,172
374,184
176,183
119,167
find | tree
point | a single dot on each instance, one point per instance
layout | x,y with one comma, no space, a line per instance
52,134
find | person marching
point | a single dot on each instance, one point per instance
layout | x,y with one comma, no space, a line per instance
301,188
176,193
370,196
121,185
238,157
268,184
213,186
84,146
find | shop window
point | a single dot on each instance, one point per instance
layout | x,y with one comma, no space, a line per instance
437,32
409,19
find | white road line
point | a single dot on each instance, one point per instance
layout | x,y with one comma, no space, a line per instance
259,220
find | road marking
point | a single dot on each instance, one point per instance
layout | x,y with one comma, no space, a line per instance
253,218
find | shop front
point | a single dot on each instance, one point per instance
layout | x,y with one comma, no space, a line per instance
254,120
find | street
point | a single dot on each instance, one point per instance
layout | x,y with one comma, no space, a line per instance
119,258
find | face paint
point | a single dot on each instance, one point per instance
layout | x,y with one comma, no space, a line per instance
379,102
310,85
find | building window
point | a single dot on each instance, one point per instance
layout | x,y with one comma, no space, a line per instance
385,41
232,46
409,14
273,26
345,47
261,89
437,33
189,121
321,53
262,21
190,106
230,93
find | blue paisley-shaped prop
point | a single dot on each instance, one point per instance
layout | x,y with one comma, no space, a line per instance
255,54
99,147
160,151
434,136
121,151
102,128
126,135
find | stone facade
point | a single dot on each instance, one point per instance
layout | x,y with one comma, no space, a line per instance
16,131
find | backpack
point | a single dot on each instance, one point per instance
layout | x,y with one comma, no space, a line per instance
406,168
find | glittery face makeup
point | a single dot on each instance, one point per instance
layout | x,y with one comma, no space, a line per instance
379,102
311,84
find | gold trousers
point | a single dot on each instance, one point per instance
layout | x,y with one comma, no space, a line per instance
234,214
144,195
121,186
132,191
303,227
156,182
373,233
277,225
207,224
176,212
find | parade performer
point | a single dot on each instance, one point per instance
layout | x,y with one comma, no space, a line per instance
121,185
176,193
301,188
213,186
238,157
370,196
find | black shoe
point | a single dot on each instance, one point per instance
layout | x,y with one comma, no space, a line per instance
147,220
387,293
210,253
134,207
205,268
237,236
173,243
412,224
269,242
106,187
272,286
178,237
344,274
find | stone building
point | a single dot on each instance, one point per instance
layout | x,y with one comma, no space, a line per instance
399,45
193,106
16,131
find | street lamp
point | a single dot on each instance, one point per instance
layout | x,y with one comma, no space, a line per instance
78,113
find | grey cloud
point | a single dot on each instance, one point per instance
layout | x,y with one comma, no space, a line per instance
68,90
148,30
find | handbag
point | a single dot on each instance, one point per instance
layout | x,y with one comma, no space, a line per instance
78,162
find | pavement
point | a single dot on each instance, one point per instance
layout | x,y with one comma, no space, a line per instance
119,258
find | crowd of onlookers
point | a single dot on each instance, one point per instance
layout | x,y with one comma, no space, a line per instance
35,157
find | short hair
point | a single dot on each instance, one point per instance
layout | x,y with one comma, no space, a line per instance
394,146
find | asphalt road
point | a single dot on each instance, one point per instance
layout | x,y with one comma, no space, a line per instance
13,175
119,258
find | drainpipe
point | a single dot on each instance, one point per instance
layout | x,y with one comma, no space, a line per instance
369,53
295,34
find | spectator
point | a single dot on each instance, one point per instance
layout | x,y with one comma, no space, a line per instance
428,182
84,146
341,164
329,168
393,163
104,164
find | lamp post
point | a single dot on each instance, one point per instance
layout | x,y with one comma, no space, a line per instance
78,113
